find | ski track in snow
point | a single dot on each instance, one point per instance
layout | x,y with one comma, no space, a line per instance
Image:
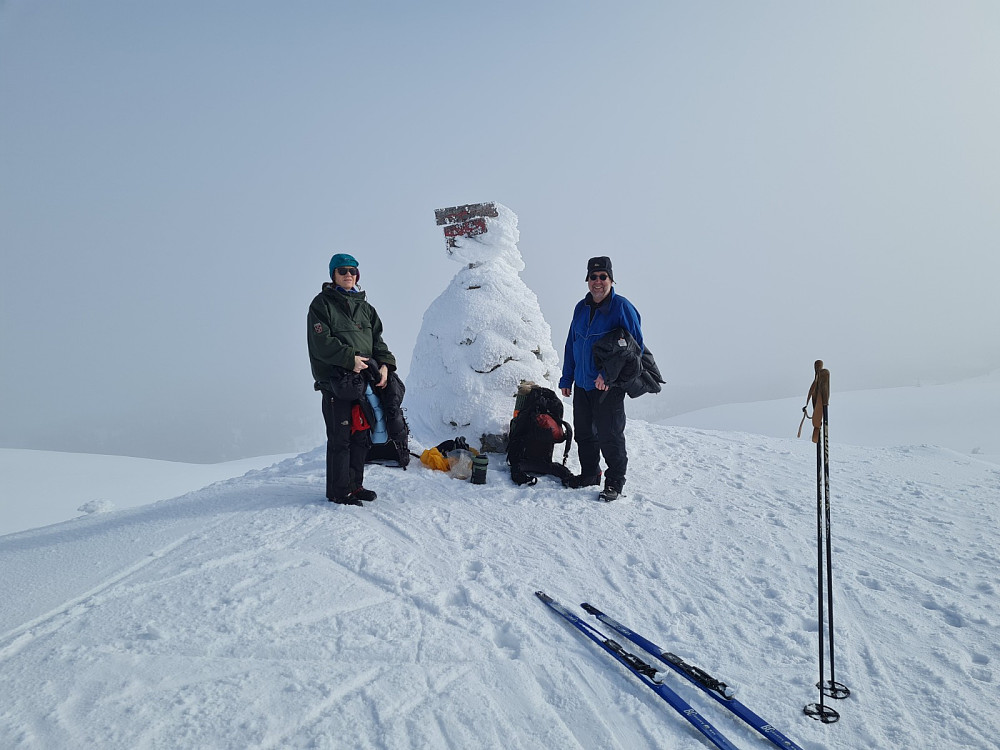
255,614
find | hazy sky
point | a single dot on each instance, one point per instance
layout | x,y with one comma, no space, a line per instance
774,181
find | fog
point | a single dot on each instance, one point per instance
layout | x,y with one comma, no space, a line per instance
775,182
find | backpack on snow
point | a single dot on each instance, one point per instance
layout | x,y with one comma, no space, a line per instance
534,431
390,432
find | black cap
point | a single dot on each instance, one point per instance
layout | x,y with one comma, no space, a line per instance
600,263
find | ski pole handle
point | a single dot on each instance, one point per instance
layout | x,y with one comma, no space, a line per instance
823,386
812,397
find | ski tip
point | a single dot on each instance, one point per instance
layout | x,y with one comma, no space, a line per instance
590,609
543,596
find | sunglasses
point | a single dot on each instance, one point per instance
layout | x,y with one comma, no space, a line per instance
596,276
345,270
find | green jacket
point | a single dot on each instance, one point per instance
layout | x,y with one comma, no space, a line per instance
341,326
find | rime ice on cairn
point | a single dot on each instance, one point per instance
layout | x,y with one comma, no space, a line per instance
481,337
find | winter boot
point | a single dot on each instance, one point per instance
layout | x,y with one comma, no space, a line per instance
609,493
362,494
346,500
577,481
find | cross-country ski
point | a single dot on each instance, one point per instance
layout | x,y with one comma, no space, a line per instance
718,690
647,674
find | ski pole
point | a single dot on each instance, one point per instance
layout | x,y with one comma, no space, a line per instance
819,395
833,689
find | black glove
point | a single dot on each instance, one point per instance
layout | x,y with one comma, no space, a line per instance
371,373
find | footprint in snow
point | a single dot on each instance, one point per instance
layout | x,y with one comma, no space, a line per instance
152,632
872,583
980,671
951,616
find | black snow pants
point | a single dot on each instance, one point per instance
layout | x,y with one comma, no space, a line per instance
599,427
345,452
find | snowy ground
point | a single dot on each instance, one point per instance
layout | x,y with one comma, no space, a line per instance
41,487
253,614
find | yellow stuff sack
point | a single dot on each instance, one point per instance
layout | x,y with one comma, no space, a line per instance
433,459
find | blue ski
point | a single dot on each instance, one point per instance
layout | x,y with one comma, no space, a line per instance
718,690
645,672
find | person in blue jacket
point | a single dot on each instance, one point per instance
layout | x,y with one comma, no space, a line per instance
598,410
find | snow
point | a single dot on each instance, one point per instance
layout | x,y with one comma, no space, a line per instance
478,340
42,487
253,614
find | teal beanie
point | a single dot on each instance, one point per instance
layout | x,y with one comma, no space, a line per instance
342,259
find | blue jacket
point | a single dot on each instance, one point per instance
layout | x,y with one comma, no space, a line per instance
578,358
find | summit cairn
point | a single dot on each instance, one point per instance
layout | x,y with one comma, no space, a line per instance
481,337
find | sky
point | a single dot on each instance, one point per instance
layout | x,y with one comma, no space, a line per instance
774,182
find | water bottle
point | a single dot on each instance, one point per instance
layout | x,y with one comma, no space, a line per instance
479,464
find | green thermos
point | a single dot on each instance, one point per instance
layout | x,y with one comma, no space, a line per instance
479,464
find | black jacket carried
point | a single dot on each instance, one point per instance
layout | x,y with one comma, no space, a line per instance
625,365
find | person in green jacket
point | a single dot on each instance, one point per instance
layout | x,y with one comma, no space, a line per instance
346,352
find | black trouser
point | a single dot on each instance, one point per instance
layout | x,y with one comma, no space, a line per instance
345,453
599,424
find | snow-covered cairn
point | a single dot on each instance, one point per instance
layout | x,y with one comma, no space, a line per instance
480,338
